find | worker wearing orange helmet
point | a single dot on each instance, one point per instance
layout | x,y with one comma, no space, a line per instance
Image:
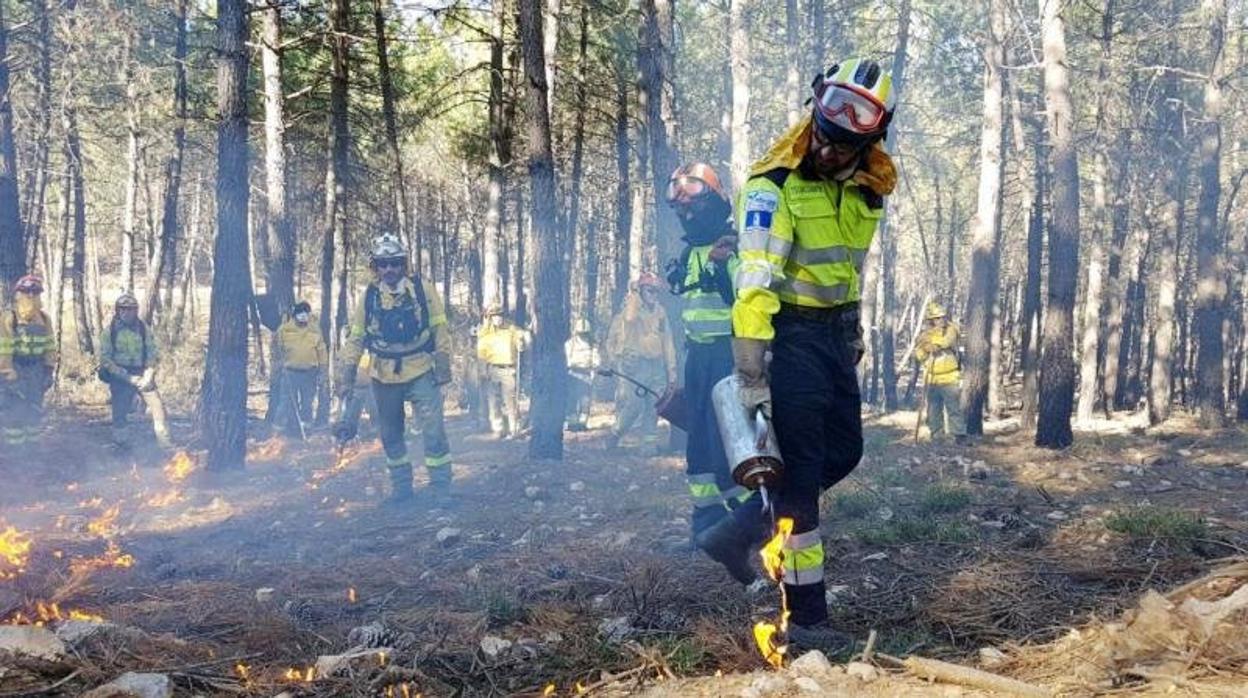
702,278
28,358
639,345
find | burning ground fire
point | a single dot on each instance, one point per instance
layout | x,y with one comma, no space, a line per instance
14,552
345,458
179,467
768,635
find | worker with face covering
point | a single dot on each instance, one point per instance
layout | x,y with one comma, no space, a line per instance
639,345
27,360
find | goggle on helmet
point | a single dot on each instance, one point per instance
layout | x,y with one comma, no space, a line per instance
690,182
854,100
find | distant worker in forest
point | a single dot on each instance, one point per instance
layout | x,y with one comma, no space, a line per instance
584,359
937,352
807,216
500,347
702,278
639,345
28,359
304,362
402,325
128,356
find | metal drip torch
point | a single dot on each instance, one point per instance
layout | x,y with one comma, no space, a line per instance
749,442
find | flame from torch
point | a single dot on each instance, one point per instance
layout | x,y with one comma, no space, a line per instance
769,636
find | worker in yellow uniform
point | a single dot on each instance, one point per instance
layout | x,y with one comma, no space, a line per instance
304,360
807,216
402,325
936,352
702,277
27,360
128,355
639,345
500,346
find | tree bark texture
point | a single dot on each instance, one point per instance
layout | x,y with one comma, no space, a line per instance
740,61
43,127
280,229
130,214
336,244
224,411
163,256
986,231
1210,257
1057,366
389,116
12,236
623,197
550,306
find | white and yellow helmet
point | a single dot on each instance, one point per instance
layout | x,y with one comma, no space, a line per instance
387,246
854,101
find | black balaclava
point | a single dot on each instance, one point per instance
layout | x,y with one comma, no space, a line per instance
709,221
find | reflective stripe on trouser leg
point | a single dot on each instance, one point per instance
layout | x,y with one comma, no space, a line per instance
426,398
14,436
816,412
704,491
706,365
803,559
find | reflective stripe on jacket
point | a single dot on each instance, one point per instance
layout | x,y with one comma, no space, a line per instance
21,341
407,368
500,346
704,314
127,352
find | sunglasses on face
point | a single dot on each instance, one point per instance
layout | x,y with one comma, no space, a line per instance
389,264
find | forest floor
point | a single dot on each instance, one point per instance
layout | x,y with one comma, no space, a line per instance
576,576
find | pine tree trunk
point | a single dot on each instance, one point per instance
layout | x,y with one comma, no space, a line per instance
986,233
12,237
573,215
43,126
499,158
335,251
623,198
224,410
390,118
550,305
164,254
1116,290
655,64
740,61
1057,366
793,58
1210,258
129,216
280,228
78,256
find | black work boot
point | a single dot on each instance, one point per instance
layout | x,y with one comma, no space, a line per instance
728,543
705,517
821,636
400,484
440,486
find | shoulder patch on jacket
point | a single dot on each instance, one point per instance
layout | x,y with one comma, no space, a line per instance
759,207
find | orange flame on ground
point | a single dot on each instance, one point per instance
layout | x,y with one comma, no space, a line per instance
51,612
549,690
345,459
179,467
301,675
161,501
267,450
14,551
112,557
242,671
351,596
765,634
105,526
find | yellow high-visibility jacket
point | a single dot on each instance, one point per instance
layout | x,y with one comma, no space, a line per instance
301,348
502,345
802,241
704,314
641,332
396,363
936,351
132,346
26,337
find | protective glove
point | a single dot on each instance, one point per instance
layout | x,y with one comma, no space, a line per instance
748,357
723,249
441,368
148,380
877,171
